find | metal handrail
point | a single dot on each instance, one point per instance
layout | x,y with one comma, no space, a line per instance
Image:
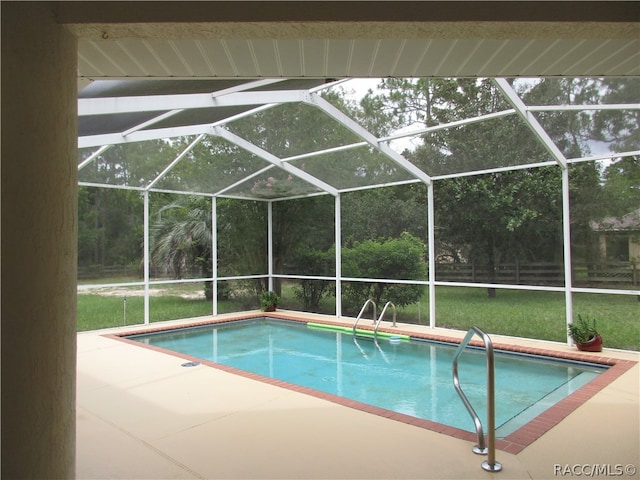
490,464
375,309
375,329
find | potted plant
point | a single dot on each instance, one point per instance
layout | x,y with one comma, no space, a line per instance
269,301
585,335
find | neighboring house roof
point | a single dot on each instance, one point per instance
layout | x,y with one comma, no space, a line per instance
628,222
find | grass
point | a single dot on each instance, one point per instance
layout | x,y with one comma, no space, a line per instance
96,311
519,313
539,315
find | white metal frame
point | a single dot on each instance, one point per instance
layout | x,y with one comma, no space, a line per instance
173,104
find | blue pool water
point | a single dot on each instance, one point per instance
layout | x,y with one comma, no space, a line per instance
411,377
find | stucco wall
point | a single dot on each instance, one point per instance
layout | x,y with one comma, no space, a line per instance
39,225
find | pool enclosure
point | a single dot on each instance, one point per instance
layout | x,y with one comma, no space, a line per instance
277,140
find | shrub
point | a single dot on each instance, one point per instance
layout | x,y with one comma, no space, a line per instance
395,258
313,261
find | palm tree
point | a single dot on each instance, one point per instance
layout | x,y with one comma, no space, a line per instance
181,236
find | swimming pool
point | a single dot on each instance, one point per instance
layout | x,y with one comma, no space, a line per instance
409,377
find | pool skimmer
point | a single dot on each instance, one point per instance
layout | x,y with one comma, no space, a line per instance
190,364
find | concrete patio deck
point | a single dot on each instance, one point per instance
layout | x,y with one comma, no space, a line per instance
141,415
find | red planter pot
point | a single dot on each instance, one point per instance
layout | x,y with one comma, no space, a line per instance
593,345
270,308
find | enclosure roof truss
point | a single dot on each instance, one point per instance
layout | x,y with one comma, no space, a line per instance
110,116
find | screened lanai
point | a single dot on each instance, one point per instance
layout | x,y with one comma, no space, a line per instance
50,47
284,140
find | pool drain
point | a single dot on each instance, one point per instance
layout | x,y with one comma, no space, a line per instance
191,364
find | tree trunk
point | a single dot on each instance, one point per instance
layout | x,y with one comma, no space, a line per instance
491,268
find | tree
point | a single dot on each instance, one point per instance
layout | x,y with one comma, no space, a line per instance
311,260
181,236
110,227
242,240
576,134
211,165
502,216
405,102
488,217
397,258
307,223
181,239
110,221
131,164
618,128
384,213
621,186
510,215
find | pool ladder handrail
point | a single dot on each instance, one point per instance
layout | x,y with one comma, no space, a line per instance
364,307
375,329
490,465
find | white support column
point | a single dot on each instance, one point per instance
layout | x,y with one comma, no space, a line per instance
566,238
530,120
214,253
338,233
146,256
270,242
432,256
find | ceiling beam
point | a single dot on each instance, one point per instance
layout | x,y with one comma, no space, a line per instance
158,103
269,157
367,136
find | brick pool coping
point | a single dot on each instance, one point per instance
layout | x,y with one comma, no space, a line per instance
513,443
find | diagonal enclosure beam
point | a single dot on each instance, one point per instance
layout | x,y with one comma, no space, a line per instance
153,121
157,134
322,104
250,147
444,126
177,160
93,156
531,121
244,179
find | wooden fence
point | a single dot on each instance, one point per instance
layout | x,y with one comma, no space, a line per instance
609,273
597,274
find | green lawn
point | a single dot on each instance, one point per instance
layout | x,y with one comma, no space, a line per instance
513,312
97,311
539,314
101,310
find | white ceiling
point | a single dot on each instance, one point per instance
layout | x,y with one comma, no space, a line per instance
244,39
453,57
